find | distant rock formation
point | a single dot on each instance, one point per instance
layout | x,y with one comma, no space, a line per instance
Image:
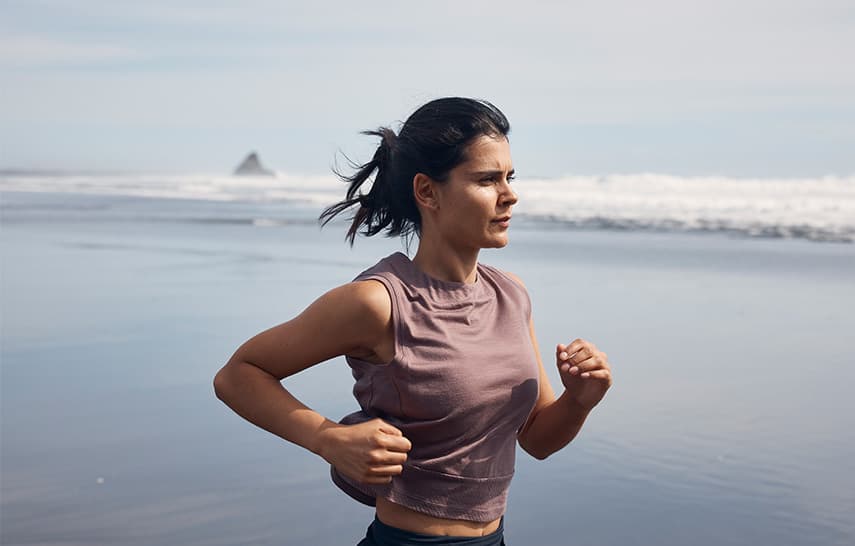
251,166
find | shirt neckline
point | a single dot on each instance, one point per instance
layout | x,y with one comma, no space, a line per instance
450,286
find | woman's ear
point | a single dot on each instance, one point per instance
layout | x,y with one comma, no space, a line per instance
424,191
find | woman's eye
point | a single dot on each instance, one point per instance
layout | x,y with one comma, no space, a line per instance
495,179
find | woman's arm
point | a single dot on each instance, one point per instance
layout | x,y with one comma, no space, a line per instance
555,422
352,319
585,374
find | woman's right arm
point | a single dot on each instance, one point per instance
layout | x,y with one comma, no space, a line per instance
352,319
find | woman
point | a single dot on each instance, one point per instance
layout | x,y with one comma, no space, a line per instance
442,347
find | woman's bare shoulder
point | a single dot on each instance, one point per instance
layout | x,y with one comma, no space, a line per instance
362,300
353,317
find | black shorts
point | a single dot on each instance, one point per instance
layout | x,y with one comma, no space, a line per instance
380,534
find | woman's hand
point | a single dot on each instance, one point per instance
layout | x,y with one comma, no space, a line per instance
370,452
585,372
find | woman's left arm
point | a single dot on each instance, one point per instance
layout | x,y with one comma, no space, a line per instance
586,376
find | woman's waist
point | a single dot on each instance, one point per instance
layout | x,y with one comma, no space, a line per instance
446,499
408,519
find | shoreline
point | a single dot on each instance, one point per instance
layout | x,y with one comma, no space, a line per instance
304,206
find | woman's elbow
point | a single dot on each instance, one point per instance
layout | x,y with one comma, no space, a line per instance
538,454
222,383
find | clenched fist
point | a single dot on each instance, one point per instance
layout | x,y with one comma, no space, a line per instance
371,452
585,372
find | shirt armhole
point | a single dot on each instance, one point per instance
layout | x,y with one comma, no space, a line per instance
521,287
396,314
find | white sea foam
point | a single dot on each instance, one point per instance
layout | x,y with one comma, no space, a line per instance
283,187
820,209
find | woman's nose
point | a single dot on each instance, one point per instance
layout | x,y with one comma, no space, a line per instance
509,196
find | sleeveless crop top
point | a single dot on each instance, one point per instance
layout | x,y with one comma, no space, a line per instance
461,385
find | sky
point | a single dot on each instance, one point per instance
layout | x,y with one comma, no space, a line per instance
748,88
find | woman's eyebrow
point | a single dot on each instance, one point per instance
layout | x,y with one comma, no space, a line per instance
491,173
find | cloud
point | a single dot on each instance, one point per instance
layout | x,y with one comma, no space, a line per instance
265,64
32,50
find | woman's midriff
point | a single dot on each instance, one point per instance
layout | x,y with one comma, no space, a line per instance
404,518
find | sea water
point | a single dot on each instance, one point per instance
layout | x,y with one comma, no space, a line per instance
729,422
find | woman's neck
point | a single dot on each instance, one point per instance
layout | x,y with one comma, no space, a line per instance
445,263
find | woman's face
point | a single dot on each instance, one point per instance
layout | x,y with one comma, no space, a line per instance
474,204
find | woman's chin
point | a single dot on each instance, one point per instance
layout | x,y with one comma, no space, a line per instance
497,242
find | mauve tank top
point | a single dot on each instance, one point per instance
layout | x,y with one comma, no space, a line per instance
461,385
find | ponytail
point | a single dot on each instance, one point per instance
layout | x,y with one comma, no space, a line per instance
380,207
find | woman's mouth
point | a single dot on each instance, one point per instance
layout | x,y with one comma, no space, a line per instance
504,221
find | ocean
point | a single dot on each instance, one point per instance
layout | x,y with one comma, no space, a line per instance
725,305
816,209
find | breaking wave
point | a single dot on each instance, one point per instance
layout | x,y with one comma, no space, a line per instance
817,209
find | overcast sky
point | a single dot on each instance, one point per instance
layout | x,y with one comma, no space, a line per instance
740,88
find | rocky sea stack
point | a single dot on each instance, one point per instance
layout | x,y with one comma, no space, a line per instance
251,166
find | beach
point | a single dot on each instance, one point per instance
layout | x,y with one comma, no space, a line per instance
729,423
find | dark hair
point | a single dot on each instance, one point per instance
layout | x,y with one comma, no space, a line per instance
433,141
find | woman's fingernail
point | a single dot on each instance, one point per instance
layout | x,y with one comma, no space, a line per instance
574,370
563,355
